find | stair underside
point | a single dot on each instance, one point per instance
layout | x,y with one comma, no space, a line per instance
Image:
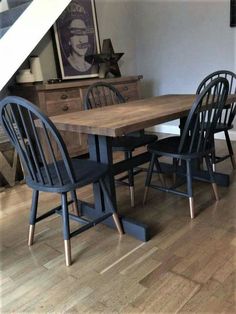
8,18
16,3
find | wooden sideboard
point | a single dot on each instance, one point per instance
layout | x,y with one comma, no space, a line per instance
59,98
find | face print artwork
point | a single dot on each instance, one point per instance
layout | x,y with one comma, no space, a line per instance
79,42
77,36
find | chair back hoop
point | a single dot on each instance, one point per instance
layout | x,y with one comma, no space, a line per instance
198,133
102,94
42,150
229,113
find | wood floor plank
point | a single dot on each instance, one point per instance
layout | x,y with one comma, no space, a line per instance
207,301
28,290
167,295
225,270
60,297
116,295
166,265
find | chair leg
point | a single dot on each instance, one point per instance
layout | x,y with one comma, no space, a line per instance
33,214
214,167
149,177
213,158
230,149
212,179
117,223
190,189
110,205
158,167
66,229
175,165
131,179
75,204
192,208
233,161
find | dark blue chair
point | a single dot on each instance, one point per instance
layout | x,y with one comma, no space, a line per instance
45,171
102,94
196,141
225,122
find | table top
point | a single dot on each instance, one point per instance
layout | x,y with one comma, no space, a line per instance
121,119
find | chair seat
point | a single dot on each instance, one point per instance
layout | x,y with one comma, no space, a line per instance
86,172
130,143
169,147
220,127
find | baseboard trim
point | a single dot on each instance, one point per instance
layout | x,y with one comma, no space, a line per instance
174,129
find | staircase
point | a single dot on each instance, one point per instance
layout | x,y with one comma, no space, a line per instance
22,26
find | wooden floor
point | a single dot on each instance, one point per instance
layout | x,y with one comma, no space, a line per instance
187,267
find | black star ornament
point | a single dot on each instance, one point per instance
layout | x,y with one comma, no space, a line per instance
107,60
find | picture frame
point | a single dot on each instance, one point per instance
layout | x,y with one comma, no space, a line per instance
76,35
232,13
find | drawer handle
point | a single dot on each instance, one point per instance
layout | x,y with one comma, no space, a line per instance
126,88
65,108
64,96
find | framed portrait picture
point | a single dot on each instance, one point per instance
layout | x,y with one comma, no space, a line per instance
76,35
232,13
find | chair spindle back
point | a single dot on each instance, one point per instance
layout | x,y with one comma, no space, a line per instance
229,113
198,133
102,94
37,142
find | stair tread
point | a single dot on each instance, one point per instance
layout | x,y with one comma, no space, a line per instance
15,3
7,18
3,31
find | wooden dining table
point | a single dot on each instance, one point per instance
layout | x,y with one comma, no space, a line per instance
103,124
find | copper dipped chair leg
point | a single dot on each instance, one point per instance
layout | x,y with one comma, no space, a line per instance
214,185
67,247
33,215
109,203
192,209
31,235
215,189
117,223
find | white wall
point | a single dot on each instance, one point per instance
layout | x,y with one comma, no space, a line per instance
116,21
45,51
179,42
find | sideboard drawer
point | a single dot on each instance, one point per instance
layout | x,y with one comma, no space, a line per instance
54,108
129,91
62,95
